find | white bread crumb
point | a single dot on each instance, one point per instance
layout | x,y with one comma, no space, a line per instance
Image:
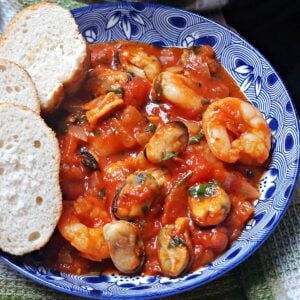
30,196
17,87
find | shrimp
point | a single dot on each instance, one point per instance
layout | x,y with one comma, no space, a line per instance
168,141
236,131
209,204
178,90
140,63
82,224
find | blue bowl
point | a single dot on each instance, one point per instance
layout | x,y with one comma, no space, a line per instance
167,26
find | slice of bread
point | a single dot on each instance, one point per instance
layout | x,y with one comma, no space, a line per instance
44,39
17,87
30,196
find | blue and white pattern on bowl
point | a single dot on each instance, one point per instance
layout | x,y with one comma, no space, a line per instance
168,26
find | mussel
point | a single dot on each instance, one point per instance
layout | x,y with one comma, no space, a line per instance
167,142
125,246
135,197
209,204
175,248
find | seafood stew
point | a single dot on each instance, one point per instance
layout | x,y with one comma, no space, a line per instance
161,154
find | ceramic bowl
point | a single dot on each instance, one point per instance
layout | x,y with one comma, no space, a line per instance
167,26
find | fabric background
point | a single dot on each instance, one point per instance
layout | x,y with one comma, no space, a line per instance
272,272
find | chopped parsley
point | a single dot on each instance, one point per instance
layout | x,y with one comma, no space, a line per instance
118,91
143,223
145,209
168,155
176,241
151,128
205,101
203,189
196,138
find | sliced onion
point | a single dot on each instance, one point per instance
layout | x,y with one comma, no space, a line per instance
78,132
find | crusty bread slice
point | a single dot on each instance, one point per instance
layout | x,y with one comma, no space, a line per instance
17,87
44,39
30,196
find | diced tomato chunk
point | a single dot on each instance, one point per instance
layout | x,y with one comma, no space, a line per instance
170,57
68,146
136,92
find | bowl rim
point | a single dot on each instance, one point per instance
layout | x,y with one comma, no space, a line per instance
185,286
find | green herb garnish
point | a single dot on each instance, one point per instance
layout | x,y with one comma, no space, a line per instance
151,128
168,155
145,209
143,223
205,101
202,189
176,242
118,91
196,138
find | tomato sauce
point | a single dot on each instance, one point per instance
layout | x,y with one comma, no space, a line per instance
97,155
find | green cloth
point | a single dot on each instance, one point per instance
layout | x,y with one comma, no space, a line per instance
273,272
69,4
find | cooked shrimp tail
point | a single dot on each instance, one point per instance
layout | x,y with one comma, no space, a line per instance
87,240
236,131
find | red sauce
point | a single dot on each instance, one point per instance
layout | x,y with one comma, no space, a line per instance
122,135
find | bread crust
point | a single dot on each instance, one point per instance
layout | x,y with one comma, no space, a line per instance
58,203
37,103
72,85
68,86
55,102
